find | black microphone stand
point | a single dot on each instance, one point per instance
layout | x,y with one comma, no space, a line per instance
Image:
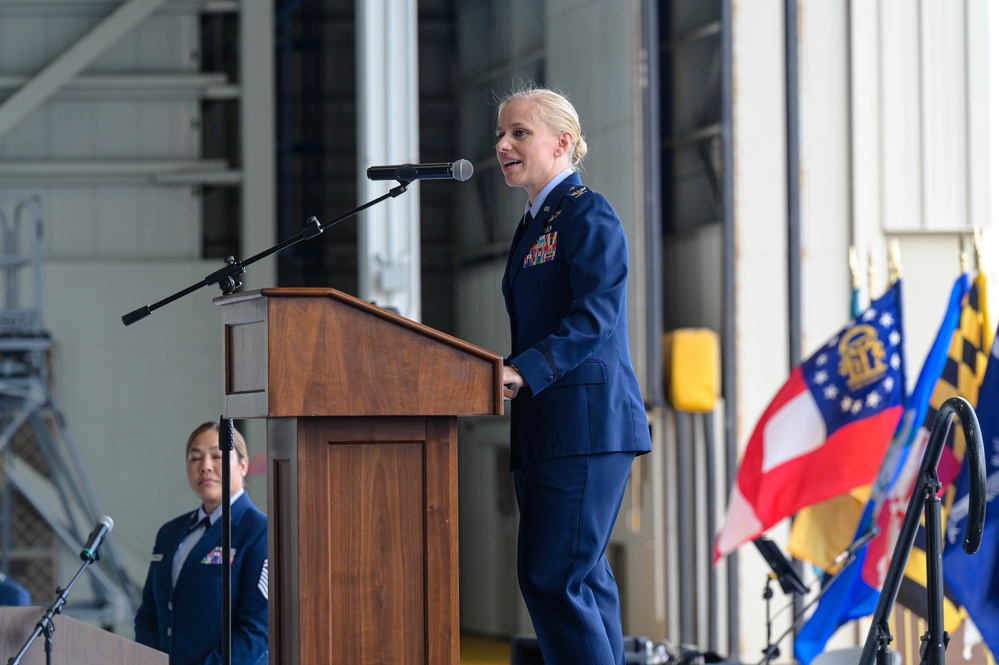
226,280
46,624
936,638
790,582
226,277
226,445
773,648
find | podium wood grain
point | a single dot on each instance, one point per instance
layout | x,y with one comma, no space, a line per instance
361,407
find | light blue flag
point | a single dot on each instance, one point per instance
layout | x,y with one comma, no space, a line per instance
849,594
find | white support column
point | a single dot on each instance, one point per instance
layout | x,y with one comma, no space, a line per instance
257,138
388,133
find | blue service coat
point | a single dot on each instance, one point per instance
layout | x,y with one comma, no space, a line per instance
565,291
186,621
12,593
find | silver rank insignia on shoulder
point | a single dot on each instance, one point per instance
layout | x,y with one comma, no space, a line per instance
576,193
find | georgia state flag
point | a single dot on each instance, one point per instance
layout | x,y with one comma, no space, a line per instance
827,429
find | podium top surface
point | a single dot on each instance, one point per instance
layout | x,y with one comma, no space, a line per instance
73,641
320,352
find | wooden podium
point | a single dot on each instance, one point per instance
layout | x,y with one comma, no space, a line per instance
361,407
73,641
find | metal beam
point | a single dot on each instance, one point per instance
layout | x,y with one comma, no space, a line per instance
116,168
73,60
195,85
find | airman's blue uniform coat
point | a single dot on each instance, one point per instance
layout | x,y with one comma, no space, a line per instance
186,621
578,423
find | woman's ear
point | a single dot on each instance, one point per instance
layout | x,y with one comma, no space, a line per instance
564,143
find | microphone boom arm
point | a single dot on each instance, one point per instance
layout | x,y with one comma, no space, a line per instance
226,277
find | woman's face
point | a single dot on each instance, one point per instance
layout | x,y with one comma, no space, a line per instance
204,470
529,154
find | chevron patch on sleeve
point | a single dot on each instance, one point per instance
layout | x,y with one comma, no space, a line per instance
262,582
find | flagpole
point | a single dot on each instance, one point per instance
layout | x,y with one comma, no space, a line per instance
793,113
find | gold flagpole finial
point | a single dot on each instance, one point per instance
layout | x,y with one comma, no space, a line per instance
964,254
977,238
870,274
894,261
854,276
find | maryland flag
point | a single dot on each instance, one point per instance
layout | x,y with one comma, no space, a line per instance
962,376
973,578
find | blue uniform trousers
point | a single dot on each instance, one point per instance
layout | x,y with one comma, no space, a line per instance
568,507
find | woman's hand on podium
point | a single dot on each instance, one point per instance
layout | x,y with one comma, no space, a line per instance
513,380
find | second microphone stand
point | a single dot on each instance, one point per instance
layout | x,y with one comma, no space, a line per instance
46,625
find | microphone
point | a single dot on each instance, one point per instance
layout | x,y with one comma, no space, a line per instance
860,542
459,170
104,526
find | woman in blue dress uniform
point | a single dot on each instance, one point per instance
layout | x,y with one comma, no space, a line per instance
181,610
578,419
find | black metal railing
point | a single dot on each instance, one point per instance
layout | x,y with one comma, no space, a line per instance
928,486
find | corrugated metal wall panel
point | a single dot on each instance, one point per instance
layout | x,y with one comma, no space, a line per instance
114,129
900,124
165,42
487,517
924,51
490,597
57,151
121,222
482,314
945,115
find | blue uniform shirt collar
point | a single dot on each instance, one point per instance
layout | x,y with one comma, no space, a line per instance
217,513
535,208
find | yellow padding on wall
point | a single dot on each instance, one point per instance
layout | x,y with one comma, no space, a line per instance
692,369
